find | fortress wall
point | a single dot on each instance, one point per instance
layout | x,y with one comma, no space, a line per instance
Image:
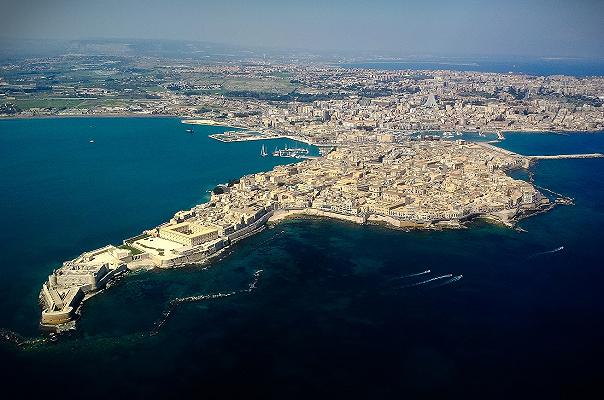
283,214
48,299
321,213
382,218
103,281
253,226
57,317
73,297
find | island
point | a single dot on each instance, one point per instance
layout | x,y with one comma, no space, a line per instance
411,184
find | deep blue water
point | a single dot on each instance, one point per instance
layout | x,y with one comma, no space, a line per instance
551,144
541,67
331,315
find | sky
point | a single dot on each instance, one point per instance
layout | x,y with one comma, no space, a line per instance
549,28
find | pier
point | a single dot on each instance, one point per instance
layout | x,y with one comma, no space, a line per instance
497,149
563,156
560,198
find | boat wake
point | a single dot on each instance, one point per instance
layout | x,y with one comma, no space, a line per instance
411,275
254,283
174,303
448,281
542,253
426,281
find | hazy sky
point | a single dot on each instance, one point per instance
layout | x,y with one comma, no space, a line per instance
437,27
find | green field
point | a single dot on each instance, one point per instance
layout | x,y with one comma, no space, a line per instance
134,250
63,103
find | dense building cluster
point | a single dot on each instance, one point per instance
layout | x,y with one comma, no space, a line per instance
418,182
326,102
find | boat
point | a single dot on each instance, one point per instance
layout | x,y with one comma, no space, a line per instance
263,152
91,141
189,130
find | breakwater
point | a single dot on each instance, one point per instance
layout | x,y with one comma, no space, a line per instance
567,156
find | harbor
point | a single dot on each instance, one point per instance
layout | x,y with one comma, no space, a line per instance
243,136
296,152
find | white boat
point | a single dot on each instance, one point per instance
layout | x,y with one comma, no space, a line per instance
263,152
91,141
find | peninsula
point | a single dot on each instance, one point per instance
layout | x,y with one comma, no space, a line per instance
412,184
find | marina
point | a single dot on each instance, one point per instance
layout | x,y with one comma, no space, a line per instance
243,136
296,152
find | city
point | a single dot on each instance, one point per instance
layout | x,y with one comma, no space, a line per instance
322,102
339,199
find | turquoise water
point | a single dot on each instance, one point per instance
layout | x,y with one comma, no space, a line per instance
335,312
61,195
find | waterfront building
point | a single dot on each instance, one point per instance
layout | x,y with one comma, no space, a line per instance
188,233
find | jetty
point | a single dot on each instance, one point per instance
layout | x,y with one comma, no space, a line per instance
563,156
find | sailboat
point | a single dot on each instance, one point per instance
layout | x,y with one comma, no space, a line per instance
263,152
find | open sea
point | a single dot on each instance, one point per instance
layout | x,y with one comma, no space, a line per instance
522,65
319,309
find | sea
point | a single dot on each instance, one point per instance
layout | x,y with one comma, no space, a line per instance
522,65
306,308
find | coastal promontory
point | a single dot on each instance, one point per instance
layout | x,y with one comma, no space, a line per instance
411,185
